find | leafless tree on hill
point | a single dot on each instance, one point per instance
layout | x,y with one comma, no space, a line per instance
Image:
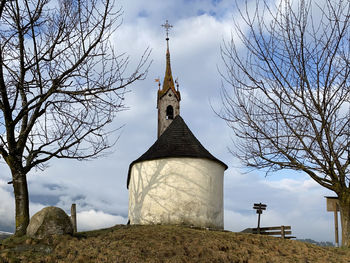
288,93
61,84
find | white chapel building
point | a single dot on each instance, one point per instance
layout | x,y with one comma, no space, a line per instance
176,181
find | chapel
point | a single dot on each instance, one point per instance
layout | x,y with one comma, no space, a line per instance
176,181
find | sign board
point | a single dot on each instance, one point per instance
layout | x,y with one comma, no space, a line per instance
260,206
259,209
332,204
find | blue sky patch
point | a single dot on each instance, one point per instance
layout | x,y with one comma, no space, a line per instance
200,12
143,13
216,2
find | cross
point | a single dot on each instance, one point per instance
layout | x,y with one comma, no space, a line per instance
167,26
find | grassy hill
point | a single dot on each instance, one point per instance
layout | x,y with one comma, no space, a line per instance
165,244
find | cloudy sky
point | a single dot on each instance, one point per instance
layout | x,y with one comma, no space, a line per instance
98,187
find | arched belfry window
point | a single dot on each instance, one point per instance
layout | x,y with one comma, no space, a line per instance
169,113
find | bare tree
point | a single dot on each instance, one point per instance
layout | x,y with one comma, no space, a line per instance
288,93
61,83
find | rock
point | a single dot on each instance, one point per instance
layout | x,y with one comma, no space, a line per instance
248,230
49,221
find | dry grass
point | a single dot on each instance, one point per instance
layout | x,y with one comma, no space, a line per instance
166,244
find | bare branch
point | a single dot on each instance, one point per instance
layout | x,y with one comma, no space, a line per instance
61,84
289,98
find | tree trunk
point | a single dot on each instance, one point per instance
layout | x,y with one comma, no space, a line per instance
20,190
344,206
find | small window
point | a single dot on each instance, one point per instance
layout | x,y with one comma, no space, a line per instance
169,113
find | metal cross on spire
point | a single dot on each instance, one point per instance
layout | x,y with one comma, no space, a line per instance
167,26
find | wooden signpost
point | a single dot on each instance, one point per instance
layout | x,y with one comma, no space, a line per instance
259,208
333,206
73,212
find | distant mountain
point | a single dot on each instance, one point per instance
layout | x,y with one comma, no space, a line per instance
321,244
4,235
307,240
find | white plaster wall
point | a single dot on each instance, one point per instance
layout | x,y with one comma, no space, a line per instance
164,102
177,191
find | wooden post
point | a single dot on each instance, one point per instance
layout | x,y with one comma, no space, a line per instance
73,213
336,228
259,208
282,232
259,224
333,206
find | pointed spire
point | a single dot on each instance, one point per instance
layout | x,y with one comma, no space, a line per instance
168,78
168,82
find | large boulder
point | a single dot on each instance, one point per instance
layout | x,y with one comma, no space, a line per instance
49,221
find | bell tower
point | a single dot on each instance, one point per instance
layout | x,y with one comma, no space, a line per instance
168,100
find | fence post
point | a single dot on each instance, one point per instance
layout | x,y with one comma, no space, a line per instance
333,206
73,212
282,232
336,228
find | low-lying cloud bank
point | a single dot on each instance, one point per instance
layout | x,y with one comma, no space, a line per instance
90,220
298,203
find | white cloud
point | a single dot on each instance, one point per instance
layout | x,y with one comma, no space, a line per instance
99,187
91,220
237,222
7,208
295,201
293,185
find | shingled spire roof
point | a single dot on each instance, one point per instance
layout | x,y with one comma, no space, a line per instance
168,82
176,141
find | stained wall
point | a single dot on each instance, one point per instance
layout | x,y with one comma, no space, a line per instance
177,191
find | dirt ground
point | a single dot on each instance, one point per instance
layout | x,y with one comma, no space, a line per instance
166,244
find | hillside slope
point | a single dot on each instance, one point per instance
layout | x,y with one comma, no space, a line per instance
166,244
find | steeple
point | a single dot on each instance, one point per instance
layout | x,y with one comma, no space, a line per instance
168,101
168,78
168,82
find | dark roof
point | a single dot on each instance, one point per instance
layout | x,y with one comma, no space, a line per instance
176,141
